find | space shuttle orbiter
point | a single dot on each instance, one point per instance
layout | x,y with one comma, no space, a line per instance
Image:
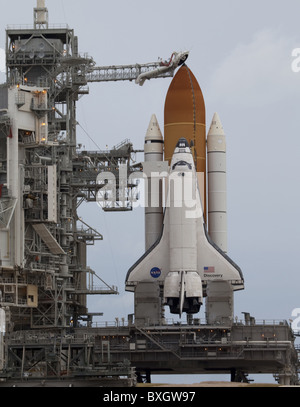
184,259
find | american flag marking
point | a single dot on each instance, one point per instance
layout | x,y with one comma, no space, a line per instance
210,269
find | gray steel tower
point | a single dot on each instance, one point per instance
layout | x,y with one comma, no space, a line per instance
43,279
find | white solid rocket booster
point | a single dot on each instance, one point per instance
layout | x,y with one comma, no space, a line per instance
153,155
217,200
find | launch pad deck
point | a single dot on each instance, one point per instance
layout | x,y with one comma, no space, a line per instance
124,355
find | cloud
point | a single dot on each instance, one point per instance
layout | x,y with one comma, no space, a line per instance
256,73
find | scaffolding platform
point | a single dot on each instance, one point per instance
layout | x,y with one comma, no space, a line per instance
237,350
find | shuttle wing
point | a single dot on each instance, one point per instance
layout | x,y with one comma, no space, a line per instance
213,263
153,265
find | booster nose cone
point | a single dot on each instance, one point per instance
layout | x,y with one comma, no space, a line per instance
153,131
154,139
216,127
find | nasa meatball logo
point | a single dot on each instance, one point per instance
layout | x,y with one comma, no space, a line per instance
155,272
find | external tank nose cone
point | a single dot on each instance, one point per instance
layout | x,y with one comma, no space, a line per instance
184,115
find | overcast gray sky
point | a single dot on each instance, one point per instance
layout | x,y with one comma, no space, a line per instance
241,55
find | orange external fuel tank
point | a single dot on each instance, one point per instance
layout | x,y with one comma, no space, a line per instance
184,116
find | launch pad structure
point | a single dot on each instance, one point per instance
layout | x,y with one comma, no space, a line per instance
44,276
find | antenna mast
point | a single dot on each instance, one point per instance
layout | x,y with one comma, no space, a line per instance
40,15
